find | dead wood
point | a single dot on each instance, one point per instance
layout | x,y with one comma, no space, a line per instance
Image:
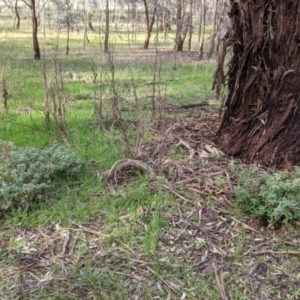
127,163
261,113
198,104
4,95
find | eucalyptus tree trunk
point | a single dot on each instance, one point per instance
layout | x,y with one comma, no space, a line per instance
149,24
182,24
190,25
213,30
106,35
202,34
90,24
68,27
179,26
36,47
262,109
17,15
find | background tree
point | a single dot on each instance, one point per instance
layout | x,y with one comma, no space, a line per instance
12,6
149,23
165,24
68,7
261,118
182,24
202,31
213,29
17,16
36,47
106,36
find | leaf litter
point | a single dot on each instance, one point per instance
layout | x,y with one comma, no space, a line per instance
204,242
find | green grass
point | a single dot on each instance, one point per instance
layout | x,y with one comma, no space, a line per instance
88,201
142,241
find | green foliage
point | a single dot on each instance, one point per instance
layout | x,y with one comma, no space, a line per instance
27,174
274,197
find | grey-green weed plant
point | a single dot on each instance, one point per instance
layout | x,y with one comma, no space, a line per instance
27,175
274,197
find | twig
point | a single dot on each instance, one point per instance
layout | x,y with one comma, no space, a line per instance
65,244
88,230
180,196
197,191
244,225
220,283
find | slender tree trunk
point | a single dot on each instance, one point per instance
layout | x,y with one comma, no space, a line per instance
36,47
261,116
182,25
200,20
213,30
190,25
85,23
43,19
128,25
106,36
203,17
90,24
179,26
68,27
17,23
149,25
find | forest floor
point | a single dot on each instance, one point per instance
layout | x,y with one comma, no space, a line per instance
173,231
207,249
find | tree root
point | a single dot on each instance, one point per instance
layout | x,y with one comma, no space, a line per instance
119,165
125,163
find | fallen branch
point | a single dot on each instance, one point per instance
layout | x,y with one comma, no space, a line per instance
198,104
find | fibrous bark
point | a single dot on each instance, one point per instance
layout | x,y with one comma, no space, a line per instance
261,117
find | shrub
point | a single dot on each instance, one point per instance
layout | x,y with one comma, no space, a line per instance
274,197
26,175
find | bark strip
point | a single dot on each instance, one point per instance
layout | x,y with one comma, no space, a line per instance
261,112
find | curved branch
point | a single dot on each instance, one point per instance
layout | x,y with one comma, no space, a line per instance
125,163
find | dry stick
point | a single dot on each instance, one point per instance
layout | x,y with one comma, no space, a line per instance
180,196
65,244
94,76
220,283
133,253
244,225
164,281
198,104
197,191
47,110
4,95
146,264
88,230
141,125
